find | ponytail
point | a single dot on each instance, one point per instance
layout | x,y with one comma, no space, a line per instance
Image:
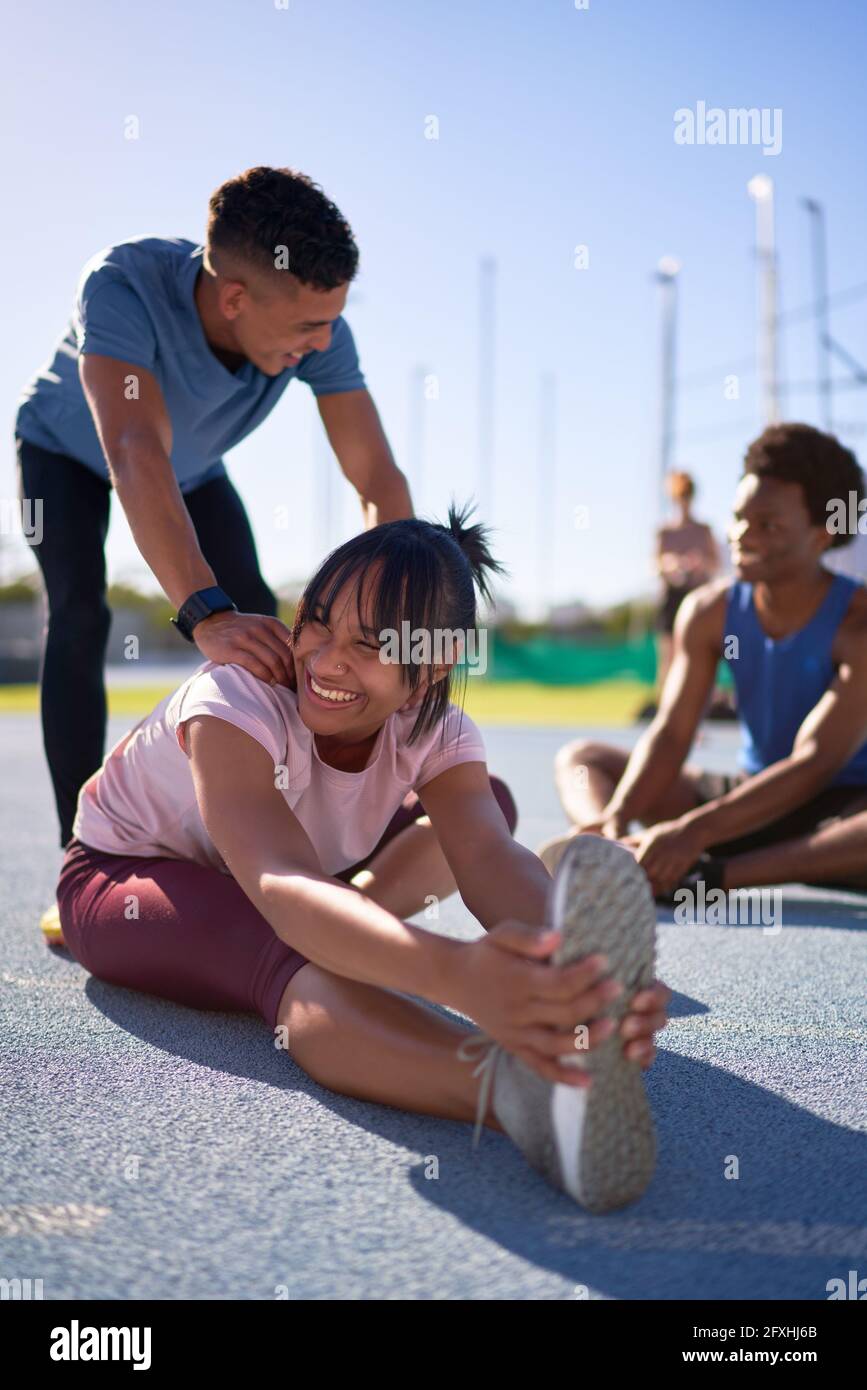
473,542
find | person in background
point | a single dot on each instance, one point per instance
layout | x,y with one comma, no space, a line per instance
686,556
794,637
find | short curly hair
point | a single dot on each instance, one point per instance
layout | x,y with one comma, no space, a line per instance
256,213
825,468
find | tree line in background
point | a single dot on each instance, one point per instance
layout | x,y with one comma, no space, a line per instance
615,623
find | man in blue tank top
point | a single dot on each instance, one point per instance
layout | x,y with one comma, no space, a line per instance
173,354
795,637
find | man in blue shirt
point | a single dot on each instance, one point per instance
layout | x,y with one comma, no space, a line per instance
174,352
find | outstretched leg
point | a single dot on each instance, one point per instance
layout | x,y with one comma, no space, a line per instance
188,933
365,1041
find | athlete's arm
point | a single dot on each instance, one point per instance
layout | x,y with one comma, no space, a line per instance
502,982
135,432
496,877
661,751
829,736
356,435
269,853
136,438
501,881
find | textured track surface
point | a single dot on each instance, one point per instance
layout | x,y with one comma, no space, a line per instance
154,1151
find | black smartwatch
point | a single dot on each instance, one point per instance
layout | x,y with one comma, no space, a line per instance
201,605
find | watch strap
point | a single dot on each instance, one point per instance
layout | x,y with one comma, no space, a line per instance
202,604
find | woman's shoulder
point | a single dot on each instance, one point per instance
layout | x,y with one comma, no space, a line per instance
227,682
455,732
230,691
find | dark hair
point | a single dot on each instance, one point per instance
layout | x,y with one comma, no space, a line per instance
428,578
823,467
250,216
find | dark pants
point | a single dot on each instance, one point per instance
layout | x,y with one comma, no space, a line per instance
71,555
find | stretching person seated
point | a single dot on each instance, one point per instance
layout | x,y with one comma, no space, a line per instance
253,847
795,637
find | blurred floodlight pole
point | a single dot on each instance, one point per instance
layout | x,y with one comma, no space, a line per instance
327,503
667,271
324,476
487,329
820,296
761,190
416,436
546,491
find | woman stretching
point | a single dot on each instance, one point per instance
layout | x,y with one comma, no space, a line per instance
249,846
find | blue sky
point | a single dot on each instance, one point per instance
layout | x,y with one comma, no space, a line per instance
555,130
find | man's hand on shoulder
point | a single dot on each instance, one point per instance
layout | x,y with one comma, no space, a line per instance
256,641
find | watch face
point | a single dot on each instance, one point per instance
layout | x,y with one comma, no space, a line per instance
201,605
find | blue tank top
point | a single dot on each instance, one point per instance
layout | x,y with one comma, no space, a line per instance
778,681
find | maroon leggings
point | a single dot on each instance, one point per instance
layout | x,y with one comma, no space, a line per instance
197,938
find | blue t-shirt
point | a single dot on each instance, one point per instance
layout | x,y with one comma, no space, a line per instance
135,302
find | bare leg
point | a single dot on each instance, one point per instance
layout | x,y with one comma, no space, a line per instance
587,773
835,853
372,1043
410,868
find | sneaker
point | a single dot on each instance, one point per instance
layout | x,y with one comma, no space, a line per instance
50,926
597,1145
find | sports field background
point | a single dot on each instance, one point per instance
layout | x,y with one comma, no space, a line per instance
490,702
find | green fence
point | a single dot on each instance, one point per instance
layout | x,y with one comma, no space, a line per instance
566,661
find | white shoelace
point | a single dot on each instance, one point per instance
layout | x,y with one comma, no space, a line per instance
488,1050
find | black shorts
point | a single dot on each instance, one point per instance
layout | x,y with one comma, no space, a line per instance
824,806
671,601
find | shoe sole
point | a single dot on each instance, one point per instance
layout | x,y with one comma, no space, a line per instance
604,1137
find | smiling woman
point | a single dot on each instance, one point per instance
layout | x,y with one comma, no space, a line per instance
253,846
386,581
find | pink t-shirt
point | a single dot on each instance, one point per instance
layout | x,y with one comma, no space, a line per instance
142,800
